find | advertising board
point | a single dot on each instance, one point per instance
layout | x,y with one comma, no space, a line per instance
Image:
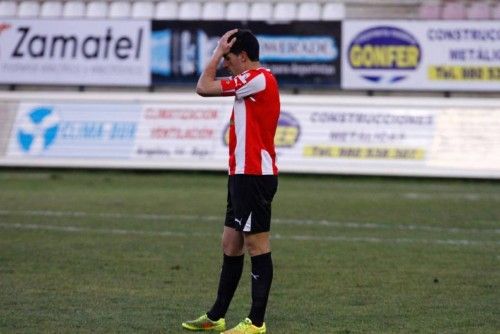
75,52
421,55
71,130
356,136
300,54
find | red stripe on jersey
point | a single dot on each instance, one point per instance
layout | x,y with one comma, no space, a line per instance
253,122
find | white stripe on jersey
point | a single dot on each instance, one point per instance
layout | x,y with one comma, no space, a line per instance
240,127
267,163
257,84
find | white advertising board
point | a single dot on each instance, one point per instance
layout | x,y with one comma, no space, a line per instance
467,138
421,55
75,52
356,135
71,130
181,131
363,136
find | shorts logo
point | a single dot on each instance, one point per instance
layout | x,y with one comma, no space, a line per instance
248,224
384,54
37,130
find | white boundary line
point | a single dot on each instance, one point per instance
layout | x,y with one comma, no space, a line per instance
146,216
76,229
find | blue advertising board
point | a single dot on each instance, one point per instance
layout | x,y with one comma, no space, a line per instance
70,130
300,54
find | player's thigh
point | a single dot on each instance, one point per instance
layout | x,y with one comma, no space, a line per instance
232,242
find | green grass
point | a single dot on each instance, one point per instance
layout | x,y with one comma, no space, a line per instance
124,252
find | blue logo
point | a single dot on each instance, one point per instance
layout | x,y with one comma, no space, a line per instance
160,52
384,50
38,130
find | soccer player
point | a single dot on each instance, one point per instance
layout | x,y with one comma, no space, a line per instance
253,179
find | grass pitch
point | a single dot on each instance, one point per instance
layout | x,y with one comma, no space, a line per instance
124,252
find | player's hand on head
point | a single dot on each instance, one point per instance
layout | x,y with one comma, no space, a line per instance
223,46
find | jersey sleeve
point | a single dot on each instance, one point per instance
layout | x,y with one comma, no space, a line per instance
244,85
228,86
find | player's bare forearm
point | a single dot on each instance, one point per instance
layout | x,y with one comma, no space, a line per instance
208,85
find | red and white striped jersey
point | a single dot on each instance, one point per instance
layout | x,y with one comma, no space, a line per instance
253,122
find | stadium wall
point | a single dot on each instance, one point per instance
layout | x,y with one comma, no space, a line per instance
435,137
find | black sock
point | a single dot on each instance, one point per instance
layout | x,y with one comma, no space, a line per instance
232,267
262,276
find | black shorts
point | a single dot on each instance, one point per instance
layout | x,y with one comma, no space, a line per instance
249,200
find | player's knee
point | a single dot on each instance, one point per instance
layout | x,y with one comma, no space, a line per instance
232,247
257,246
232,242
231,250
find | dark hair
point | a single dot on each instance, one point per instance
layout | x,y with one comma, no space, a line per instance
245,41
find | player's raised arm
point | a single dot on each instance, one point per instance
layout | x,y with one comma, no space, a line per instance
208,85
